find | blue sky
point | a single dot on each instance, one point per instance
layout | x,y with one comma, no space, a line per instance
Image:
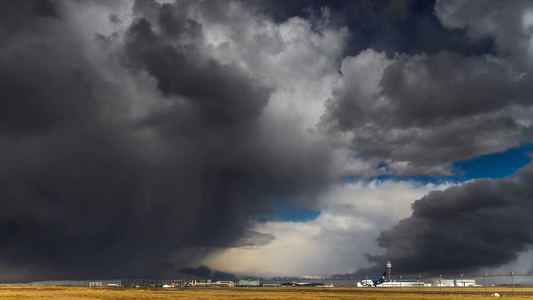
493,166
294,213
497,165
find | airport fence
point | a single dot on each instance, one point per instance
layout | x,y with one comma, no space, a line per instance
486,280
477,284
440,280
108,283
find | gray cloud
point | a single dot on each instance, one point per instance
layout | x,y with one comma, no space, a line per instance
438,89
509,25
205,94
456,108
416,114
205,272
484,223
126,156
429,111
38,70
137,138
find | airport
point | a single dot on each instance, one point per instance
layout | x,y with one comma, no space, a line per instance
385,281
305,287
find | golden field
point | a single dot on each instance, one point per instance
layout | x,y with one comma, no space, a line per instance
39,292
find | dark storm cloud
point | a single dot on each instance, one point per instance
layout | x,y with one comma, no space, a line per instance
37,71
29,9
448,86
205,272
484,223
137,143
417,114
90,191
201,271
431,110
215,93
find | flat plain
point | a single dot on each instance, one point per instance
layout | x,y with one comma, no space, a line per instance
42,292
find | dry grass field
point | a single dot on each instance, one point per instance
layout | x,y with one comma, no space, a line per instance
37,292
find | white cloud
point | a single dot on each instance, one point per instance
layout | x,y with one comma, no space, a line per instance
299,62
352,216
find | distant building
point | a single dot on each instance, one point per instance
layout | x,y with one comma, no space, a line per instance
225,283
249,283
454,282
443,282
465,282
209,282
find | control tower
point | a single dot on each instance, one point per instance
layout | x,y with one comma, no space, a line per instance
389,271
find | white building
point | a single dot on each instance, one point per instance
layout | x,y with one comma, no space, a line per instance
454,282
465,282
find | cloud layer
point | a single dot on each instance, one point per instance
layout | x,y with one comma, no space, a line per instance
147,138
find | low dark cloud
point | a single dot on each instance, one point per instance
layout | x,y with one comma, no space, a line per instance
484,223
203,272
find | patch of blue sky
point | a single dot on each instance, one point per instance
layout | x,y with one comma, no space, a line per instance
289,212
497,165
494,166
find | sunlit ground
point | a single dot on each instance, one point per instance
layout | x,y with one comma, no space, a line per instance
37,292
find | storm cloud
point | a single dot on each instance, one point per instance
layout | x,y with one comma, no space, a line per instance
418,114
484,223
148,138
135,146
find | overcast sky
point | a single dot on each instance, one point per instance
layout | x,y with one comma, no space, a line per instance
160,139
